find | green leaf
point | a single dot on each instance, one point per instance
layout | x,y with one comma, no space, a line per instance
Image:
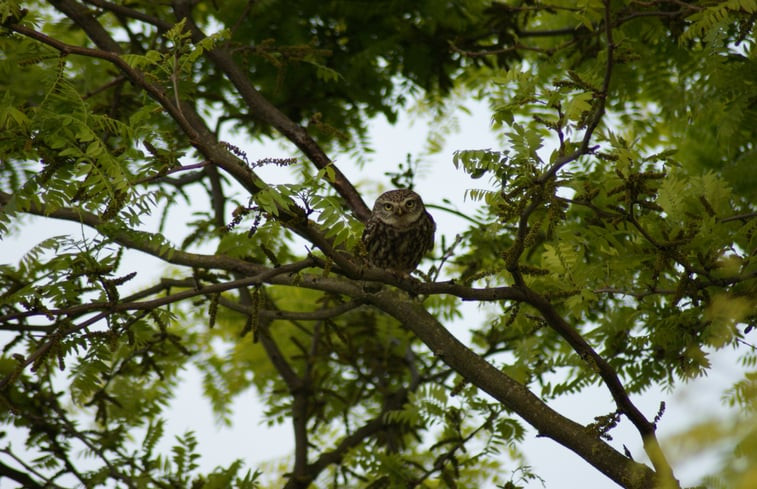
578,106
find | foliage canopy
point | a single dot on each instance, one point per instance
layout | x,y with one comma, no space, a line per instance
614,239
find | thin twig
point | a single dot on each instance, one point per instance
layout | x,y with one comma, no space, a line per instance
271,314
170,171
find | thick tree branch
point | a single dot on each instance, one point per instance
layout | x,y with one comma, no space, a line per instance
21,477
482,374
193,126
268,113
142,241
610,377
81,17
576,341
123,11
510,393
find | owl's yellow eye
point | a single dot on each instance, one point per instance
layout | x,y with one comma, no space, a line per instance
388,207
410,204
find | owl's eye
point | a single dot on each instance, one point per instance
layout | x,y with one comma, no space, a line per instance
410,204
388,206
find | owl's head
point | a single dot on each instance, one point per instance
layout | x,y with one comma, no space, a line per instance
399,208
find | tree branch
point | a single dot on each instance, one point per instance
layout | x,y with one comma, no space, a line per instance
599,109
268,113
56,336
130,13
110,307
510,393
454,353
21,477
273,314
610,377
299,388
193,126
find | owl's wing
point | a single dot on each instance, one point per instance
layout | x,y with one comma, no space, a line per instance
370,228
432,234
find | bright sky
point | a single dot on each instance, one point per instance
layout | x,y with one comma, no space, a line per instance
251,439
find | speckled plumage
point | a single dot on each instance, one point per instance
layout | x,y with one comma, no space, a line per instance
399,231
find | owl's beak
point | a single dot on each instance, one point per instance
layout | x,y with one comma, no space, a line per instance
400,211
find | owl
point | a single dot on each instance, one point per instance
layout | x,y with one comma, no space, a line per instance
399,231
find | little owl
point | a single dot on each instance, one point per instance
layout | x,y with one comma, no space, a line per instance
399,231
